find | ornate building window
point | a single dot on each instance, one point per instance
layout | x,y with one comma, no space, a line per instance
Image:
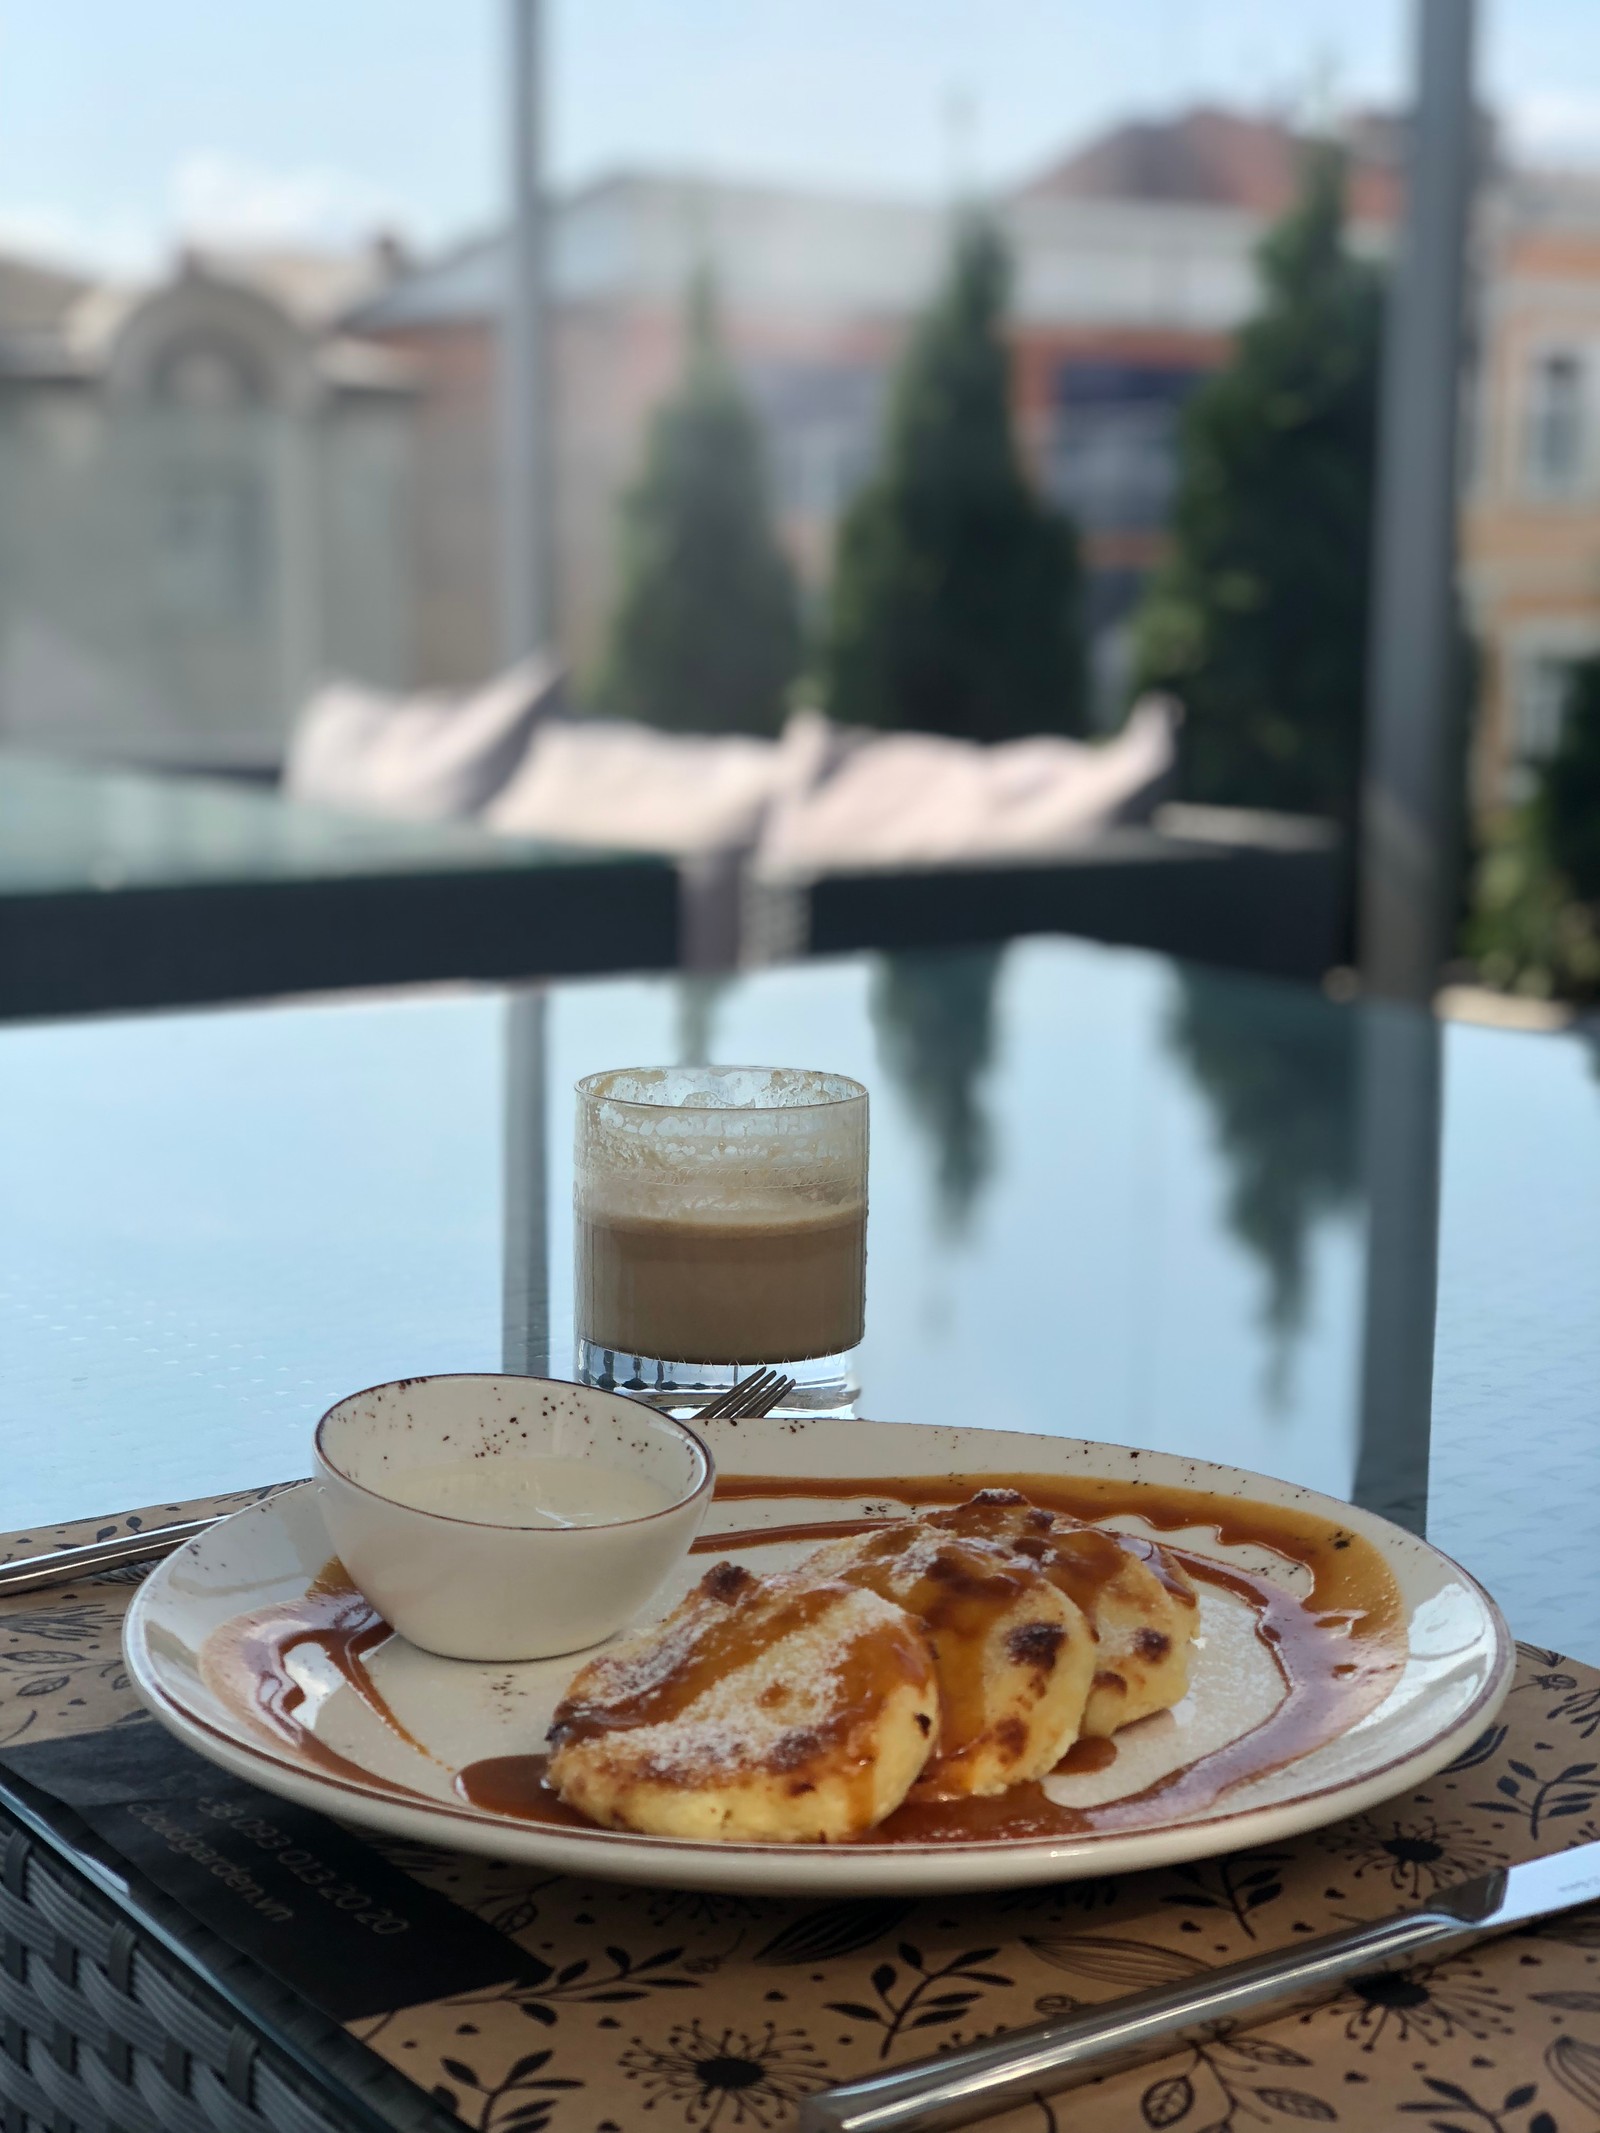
1557,427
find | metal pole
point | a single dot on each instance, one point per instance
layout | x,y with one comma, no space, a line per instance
526,619
525,1262
1414,771
525,459
1400,1153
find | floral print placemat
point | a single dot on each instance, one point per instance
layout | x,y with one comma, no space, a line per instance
626,2008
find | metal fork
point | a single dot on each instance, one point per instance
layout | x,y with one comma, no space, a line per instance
754,1395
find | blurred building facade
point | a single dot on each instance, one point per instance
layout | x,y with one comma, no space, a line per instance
1134,265
269,467
1532,525
205,502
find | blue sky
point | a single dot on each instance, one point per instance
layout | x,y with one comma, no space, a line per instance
124,125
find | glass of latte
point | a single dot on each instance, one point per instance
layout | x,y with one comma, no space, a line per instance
721,1221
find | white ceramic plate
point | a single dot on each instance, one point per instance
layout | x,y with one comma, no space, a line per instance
1453,1668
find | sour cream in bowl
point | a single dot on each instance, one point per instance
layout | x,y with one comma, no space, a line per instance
504,1518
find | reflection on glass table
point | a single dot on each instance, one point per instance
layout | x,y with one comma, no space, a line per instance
1111,1196
1063,1229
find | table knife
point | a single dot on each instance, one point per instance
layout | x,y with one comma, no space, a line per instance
88,1559
1032,2063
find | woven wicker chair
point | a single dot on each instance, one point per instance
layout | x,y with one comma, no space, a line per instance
118,2014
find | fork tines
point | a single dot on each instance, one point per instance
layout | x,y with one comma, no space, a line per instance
755,1395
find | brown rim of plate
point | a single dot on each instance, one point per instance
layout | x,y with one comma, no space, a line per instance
1491,1692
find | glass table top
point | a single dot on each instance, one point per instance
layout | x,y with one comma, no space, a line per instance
1112,1196
67,826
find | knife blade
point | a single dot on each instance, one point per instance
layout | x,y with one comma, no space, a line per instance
1028,2064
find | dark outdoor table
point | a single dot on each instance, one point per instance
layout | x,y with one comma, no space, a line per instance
1112,1196
1269,894
119,890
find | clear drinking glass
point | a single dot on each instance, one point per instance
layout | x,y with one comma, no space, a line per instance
721,1217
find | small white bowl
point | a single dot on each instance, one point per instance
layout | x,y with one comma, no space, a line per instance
468,1589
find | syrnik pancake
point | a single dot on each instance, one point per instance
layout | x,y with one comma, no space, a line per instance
1013,1655
765,1710
939,1657
1139,1603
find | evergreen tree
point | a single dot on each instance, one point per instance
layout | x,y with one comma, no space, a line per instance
706,636
1528,933
1258,621
1277,1065
955,599
1535,924
935,1021
1567,806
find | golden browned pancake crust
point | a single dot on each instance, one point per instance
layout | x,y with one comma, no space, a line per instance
1013,1654
1140,1604
940,1657
771,1710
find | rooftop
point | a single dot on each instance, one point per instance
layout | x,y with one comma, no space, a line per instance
1211,156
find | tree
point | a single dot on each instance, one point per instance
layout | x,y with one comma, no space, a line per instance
1535,924
1567,805
1277,1065
1258,621
706,635
935,1019
955,598
1528,933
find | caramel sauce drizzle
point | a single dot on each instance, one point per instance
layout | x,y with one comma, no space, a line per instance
1338,1649
720,1636
1087,1757
959,1598
1326,1691
252,1652
1348,1575
516,1786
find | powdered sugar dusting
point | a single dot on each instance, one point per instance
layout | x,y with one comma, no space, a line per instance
789,1691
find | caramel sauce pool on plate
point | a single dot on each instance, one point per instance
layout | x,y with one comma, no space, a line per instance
1338,1651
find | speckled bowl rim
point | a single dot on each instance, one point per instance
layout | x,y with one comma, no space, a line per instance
697,1445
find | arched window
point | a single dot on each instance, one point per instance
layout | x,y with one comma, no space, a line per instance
208,373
